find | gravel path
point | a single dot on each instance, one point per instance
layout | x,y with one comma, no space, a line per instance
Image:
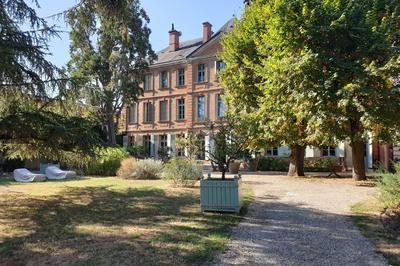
300,222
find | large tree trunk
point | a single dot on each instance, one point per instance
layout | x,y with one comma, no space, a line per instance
357,148
296,167
110,124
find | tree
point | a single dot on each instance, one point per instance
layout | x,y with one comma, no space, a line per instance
30,89
191,144
110,51
322,71
258,85
228,141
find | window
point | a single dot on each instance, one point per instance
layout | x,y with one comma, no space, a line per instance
201,112
201,73
164,80
163,110
220,106
180,77
147,83
329,151
147,145
180,109
148,112
163,141
132,114
219,65
272,151
131,141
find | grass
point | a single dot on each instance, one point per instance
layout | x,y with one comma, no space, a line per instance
108,221
366,215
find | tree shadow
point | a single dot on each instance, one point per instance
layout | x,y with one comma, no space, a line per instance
91,225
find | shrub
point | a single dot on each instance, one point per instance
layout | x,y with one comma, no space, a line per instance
389,186
136,151
319,164
127,168
147,169
273,164
107,162
182,172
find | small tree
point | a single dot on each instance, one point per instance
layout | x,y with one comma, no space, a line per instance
228,141
191,144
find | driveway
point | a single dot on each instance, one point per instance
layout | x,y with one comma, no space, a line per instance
300,222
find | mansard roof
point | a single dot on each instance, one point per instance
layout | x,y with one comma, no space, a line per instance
189,48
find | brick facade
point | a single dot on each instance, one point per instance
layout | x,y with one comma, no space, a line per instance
182,55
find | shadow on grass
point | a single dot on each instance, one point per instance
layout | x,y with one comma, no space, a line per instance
97,225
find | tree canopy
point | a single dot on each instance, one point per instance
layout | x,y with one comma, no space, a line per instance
110,51
34,121
315,72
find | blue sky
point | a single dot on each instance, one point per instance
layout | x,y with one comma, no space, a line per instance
187,15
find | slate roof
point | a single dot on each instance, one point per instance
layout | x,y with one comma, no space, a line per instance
186,48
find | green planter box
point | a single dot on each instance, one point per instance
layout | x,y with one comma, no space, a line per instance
220,195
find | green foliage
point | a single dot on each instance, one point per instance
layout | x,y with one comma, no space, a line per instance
107,162
110,51
230,140
147,169
182,172
312,72
191,143
136,151
389,187
47,135
23,49
319,164
280,164
310,164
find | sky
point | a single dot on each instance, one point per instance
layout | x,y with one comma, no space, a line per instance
187,15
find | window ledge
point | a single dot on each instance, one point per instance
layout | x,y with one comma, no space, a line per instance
132,123
180,86
201,83
164,122
180,120
148,122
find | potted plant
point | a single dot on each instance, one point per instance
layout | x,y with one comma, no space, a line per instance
229,140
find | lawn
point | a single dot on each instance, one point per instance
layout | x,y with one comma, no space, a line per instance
108,221
366,215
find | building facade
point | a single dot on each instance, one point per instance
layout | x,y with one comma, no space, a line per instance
181,94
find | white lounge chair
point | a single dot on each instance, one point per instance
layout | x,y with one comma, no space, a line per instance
53,172
25,176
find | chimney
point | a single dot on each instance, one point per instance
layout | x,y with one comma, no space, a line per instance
174,39
207,31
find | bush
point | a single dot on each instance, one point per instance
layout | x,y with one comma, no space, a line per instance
319,164
182,172
146,169
282,164
127,168
136,151
389,186
273,164
107,162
